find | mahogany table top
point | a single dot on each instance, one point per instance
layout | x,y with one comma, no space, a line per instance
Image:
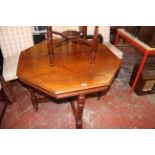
72,73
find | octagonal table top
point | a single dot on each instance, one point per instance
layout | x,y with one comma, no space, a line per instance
72,72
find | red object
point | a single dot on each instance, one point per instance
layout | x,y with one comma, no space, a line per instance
146,52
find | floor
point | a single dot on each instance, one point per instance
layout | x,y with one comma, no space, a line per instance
116,109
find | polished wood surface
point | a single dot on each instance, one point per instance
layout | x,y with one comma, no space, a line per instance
50,45
72,73
71,35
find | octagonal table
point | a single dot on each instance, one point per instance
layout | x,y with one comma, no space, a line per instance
73,75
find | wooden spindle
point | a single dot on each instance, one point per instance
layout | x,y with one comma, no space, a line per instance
33,99
84,31
94,44
50,45
77,108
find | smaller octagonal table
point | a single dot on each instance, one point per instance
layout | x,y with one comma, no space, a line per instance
73,75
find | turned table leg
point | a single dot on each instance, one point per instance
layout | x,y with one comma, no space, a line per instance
77,108
4,97
33,99
7,88
50,45
80,107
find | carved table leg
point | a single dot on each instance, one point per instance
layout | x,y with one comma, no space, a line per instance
78,110
3,112
80,107
33,99
7,88
4,97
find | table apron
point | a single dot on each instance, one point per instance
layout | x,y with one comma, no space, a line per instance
68,94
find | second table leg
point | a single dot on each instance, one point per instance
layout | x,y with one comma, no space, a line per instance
33,99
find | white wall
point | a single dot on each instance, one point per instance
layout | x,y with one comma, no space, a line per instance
14,39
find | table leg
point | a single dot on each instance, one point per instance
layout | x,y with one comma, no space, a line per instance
50,45
4,97
7,89
77,108
84,30
3,112
33,99
101,93
94,44
117,37
139,71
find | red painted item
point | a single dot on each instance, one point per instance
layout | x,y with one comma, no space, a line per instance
147,50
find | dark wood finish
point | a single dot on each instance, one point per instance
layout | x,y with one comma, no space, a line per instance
84,32
144,33
147,35
41,37
95,44
71,35
72,74
134,30
6,92
6,96
80,107
33,98
7,88
72,71
146,81
101,93
50,45
77,108
1,62
3,112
